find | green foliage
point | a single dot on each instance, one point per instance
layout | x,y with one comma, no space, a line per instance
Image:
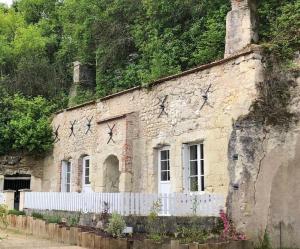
190,234
16,212
116,225
83,95
279,27
37,215
24,124
129,42
73,221
52,218
265,242
155,227
272,104
3,215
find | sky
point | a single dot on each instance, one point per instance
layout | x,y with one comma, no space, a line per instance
9,2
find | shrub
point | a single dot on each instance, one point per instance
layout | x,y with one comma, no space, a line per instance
116,225
73,221
191,234
37,215
3,215
52,218
155,227
16,212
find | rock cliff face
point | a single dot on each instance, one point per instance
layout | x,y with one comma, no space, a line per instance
264,165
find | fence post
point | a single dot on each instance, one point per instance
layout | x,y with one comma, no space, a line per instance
9,198
22,198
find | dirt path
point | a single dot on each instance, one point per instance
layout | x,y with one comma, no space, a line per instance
12,239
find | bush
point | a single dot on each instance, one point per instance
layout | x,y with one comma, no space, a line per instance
3,215
52,219
16,212
192,234
37,215
116,225
155,227
73,221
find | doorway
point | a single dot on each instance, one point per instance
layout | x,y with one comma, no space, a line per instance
164,183
16,182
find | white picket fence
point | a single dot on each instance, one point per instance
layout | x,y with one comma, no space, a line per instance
2,198
176,204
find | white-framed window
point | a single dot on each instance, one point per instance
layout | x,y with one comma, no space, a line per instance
86,170
196,168
66,172
164,164
195,160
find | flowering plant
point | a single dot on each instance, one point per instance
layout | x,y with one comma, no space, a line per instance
229,231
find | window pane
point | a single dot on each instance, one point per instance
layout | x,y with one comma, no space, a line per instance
87,180
201,151
193,168
68,189
87,172
164,176
202,167
164,154
202,183
193,152
68,178
194,183
164,165
87,163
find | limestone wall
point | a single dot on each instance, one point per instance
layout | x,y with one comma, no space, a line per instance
264,193
139,130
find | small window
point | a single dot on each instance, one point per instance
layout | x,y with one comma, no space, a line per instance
196,167
164,164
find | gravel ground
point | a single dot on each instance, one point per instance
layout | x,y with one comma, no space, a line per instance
11,239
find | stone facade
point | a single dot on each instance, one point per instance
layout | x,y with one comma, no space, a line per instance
139,130
254,165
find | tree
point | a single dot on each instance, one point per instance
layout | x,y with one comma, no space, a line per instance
24,124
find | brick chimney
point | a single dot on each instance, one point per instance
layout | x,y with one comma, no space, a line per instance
240,26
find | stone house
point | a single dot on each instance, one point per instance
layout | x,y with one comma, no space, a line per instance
182,134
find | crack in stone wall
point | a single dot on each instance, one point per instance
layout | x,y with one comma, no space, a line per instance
263,189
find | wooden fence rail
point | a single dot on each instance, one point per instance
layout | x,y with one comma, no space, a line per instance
176,204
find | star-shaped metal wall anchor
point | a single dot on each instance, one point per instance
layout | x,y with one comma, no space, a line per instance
89,125
110,133
162,105
72,128
56,138
205,94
